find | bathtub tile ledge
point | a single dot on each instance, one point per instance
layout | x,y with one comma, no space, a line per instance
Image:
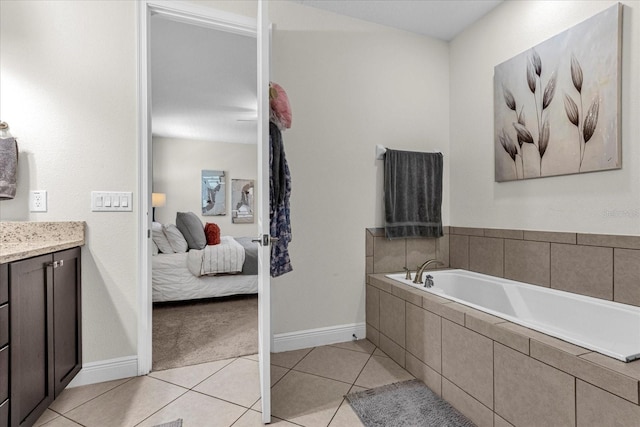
615,382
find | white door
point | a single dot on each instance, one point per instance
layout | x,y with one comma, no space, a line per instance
264,253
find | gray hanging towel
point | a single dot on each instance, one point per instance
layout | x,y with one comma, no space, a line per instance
8,167
412,194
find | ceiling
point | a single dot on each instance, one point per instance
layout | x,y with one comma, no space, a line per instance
204,80
203,83
441,19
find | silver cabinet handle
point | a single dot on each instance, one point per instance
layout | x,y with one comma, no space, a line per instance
56,264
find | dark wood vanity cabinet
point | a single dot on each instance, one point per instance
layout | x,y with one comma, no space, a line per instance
44,344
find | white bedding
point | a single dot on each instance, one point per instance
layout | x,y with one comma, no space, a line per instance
226,257
172,281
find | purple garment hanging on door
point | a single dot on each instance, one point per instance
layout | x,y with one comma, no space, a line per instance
279,193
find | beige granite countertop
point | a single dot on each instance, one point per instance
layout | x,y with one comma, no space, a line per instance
20,240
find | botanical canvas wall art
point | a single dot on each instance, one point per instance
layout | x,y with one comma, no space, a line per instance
556,106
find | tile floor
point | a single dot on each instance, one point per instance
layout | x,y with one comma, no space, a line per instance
308,388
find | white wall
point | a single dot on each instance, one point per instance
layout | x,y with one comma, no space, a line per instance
68,92
177,171
352,85
601,202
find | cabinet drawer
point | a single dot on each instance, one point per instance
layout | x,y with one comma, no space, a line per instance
4,374
4,325
4,283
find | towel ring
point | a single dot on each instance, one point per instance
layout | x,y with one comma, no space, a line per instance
4,125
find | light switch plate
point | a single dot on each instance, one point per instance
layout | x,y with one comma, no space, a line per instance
111,201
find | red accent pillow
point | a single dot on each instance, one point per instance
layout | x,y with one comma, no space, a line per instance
212,231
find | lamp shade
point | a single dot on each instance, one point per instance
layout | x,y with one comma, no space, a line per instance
158,200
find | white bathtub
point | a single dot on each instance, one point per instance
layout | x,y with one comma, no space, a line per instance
607,327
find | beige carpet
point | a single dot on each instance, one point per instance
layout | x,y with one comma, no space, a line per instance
189,333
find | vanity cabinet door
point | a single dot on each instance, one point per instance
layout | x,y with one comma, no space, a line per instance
67,315
31,347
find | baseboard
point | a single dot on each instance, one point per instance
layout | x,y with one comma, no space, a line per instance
317,337
106,370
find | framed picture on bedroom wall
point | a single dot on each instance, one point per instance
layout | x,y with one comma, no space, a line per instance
214,193
242,192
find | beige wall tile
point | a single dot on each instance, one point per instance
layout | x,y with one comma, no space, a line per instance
389,255
368,265
446,229
597,408
626,276
486,255
431,378
433,303
376,231
610,380
467,231
373,335
528,262
392,317
442,250
609,240
530,393
586,270
368,238
503,233
407,293
550,236
467,405
373,306
467,361
420,250
424,339
393,350
481,322
458,251
453,312
630,369
512,336
381,282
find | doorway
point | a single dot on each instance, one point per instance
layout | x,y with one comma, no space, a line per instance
204,162
209,18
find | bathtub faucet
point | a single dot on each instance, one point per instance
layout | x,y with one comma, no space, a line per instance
428,281
418,278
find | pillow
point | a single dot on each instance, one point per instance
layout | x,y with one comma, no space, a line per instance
154,248
212,231
160,239
175,238
192,229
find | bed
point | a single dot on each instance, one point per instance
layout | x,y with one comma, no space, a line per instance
174,280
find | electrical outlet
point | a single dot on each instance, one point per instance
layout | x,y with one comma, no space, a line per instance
38,201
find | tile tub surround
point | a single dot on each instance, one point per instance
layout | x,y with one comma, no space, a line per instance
495,371
390,256
596,265
20,240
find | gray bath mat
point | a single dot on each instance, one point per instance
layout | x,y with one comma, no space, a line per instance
176,423
408,403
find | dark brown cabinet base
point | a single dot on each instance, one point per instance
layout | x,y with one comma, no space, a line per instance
44,350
